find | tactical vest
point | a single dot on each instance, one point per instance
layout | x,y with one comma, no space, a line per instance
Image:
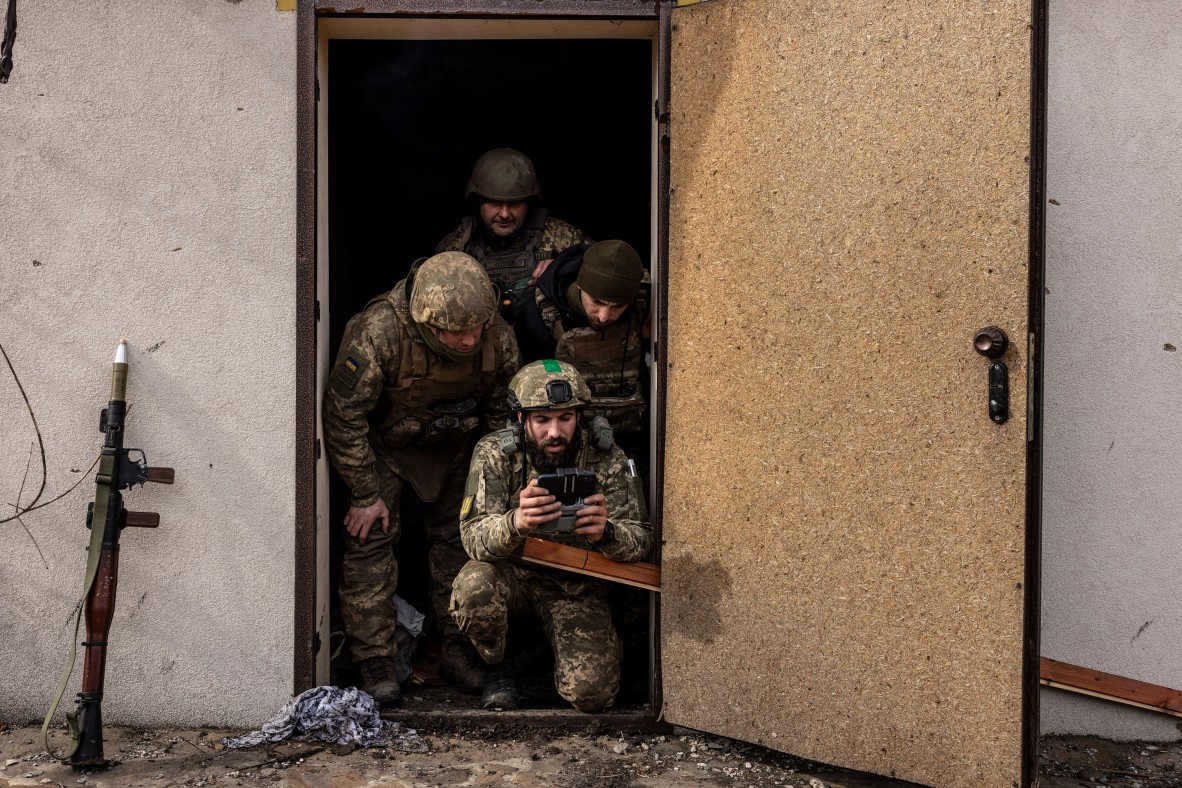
430,400
507,267
608,360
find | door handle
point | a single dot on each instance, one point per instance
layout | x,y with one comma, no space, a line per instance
992,342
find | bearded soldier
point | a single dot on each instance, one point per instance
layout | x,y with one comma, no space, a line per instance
503,505
507,229
421,374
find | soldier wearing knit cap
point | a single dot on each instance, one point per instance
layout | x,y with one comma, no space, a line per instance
587,312
611,273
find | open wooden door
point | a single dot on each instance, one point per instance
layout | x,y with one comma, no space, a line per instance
845,526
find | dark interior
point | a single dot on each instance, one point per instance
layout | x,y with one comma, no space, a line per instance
406,122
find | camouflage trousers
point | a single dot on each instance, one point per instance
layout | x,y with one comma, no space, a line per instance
369,572
578,626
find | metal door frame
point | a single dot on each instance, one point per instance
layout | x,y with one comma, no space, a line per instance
306,641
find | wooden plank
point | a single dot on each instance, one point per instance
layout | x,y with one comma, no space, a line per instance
1108,686
587,562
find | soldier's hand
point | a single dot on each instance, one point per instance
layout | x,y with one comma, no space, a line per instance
537,507
359,520
539,269
592,518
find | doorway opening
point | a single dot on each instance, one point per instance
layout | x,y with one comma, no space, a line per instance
406,107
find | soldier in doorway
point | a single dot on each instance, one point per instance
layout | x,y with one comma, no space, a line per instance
503,505
421,374
588,310
591,310
507,229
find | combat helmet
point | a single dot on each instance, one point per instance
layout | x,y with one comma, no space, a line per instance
452,292
548,385
503,175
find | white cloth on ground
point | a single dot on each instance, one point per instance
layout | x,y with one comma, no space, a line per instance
409,616
334,715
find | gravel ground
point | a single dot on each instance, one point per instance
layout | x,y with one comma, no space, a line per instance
509,754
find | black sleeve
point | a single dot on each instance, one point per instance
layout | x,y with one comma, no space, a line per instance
534,339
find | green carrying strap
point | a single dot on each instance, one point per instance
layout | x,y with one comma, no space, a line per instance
98,524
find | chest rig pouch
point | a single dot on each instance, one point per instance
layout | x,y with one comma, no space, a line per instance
609,361
429,406
510,267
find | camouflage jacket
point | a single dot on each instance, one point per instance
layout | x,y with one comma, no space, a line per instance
507,261
610,360
491,497
390,396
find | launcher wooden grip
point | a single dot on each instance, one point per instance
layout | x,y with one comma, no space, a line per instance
543,552
161,475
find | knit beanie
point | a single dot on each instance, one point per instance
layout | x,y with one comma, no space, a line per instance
611,271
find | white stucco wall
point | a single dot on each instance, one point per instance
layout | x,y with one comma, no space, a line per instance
147,189
1112,545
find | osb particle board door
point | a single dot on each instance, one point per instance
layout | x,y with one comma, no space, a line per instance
844,524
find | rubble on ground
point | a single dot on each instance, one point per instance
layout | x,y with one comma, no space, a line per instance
510,753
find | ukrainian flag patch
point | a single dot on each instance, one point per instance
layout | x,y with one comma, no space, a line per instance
348,370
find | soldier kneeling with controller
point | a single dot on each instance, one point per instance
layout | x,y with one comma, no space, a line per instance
516,486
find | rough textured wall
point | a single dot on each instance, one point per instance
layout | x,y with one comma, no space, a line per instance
147,189
1112,549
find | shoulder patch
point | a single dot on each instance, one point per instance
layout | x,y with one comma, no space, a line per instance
471,484
348,369
466,507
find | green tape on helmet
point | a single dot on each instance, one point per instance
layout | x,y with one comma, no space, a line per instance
547,384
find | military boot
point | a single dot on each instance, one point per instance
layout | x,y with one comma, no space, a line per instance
500,687
462,664
379,680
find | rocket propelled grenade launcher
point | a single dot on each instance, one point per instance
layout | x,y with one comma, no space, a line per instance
119,469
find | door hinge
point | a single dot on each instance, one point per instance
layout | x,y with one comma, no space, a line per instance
318,448
317,310
318,91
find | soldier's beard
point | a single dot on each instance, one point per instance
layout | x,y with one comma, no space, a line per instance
544,462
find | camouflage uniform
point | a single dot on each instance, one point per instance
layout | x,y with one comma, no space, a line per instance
573,608
609,360
398,413
508,260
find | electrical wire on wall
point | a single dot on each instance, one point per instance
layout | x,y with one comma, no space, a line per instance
36,502
6,43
